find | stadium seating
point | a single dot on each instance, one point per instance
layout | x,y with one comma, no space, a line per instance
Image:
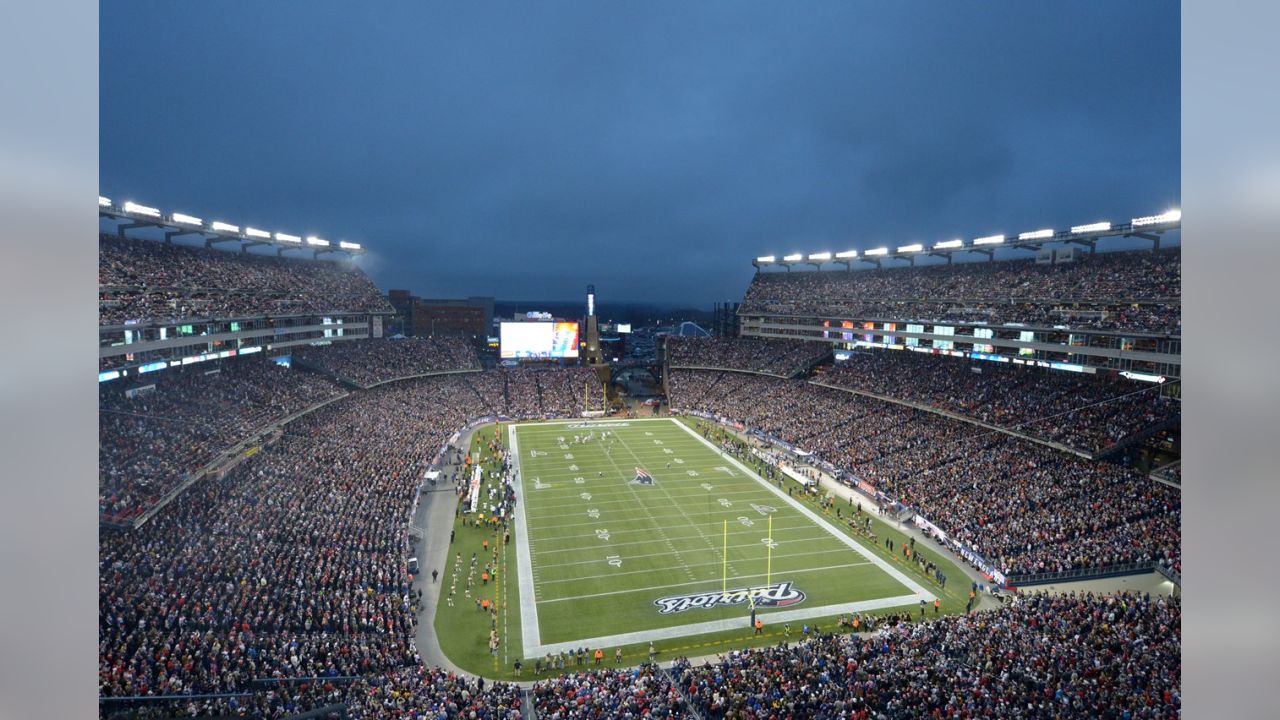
1023,507
1120,290
1079,656
149,443
1085,412
291,565
366,362
776,357
140,280
529,393
641,692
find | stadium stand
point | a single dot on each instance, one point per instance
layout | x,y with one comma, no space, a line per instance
532,393
1138,291
291,565
142,280
1080,656
641,692
1023,507
372,361
175,422
775,357
1085,412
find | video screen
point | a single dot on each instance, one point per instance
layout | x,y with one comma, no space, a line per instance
538,340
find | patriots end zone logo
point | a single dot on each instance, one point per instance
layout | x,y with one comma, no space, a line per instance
783,594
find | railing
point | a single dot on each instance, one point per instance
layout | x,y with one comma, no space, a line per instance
1134,568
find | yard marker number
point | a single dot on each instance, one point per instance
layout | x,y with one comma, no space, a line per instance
615,560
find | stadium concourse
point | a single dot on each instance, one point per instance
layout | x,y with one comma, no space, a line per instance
281,585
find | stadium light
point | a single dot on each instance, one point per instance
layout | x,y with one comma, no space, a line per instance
847,254
989,240
1091,227
1143,377
255,232
184,219
284,237
945,244
1036,234
1169,217
348,245
820,256
224,227
794,257
104,202
766,259
877,251
914,247
133,207
313,240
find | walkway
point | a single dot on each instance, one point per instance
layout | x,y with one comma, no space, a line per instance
435,513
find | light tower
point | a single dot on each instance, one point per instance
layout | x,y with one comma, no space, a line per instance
593,356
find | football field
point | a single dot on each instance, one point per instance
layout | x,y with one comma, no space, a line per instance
646,531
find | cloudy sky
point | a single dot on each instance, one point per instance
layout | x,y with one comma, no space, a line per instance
525,149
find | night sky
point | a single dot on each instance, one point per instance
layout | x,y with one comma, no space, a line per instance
523,150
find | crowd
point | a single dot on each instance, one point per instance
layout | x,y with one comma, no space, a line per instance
1138,290
640,692
1082,411
777,357
1041,656
1024,507
293,565
151,280
530,393
155,431
1171,472
366,362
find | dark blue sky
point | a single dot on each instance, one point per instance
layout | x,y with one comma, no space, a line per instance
526,149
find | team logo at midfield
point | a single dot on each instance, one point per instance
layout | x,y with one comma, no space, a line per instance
783,594
642,477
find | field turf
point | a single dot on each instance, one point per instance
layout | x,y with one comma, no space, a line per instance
602,553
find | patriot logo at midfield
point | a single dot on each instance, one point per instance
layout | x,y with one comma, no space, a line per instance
642,477
777,595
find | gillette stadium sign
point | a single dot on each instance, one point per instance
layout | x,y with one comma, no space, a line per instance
597,425
783,594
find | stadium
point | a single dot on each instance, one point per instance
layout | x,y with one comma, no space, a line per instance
369,521
890,478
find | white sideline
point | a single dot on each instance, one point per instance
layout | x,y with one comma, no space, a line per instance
529,637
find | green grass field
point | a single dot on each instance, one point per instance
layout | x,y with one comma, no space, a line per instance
609,561
591,552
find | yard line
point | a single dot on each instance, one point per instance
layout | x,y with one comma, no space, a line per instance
573,490
650,541
754,530
701,582
716,563
721,512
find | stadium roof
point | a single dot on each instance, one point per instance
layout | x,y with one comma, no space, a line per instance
217,231
1149,227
